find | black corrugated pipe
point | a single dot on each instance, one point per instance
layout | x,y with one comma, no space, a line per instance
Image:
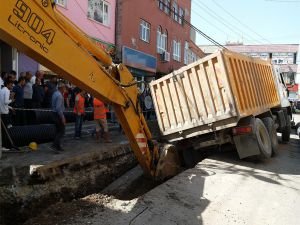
23,135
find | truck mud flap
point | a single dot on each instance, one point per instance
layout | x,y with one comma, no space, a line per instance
246,145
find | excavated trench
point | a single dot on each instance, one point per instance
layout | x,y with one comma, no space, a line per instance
30,195
64,186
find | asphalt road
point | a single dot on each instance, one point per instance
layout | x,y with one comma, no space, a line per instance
220,190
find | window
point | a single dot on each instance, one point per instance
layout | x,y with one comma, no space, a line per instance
145,31
189,55
98,10
176,51
61,2
161,5
162,40
181,16
167,6
186,53
175,11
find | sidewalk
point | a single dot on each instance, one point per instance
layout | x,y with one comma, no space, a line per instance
76,151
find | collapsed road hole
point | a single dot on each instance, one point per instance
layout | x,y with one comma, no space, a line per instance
132,184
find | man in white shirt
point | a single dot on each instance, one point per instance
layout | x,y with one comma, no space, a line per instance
39,74
5,100
3,77
28,91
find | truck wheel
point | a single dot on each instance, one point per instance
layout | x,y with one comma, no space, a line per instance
263,140
270,125
286,132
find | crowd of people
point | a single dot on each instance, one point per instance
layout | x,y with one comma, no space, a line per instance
32,92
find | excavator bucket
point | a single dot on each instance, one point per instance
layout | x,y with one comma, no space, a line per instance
168,163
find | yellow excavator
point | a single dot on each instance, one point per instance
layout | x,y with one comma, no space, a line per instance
38,29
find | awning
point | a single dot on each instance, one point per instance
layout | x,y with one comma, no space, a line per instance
107,47
46,70
293,87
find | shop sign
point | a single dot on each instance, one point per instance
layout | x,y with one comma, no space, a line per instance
139,60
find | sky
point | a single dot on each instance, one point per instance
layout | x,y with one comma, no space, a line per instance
247,21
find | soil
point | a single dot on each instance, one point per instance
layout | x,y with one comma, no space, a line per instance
68,213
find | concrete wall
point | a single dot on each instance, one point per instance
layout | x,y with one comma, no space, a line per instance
27,64
76,11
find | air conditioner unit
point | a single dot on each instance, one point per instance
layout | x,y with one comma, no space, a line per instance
165,56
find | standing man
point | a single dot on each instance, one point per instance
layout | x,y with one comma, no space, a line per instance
58,108
38,93
3,78
39,74
101,122
19,101
79,113
5,99
28,91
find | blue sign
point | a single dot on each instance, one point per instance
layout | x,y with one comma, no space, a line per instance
139,60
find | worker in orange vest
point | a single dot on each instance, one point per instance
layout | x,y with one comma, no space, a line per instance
100,119
79,111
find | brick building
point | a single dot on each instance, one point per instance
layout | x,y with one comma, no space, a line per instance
152,37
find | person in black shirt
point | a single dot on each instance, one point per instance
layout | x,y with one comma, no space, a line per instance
38,94
18,89
50,88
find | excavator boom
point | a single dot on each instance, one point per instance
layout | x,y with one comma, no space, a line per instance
37,29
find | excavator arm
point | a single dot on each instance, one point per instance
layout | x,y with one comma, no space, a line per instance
37,29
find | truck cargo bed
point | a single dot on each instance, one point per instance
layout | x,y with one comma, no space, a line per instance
213,94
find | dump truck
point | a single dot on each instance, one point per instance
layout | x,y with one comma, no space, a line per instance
225,97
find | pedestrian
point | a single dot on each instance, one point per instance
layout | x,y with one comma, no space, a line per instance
28,91
58,116
6,97
3,78
13,76
66,98
50,88
38,94
101,122
18,89
22,74
79,111
39,74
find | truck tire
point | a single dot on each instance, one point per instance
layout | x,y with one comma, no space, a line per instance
270,125
286,132
263,140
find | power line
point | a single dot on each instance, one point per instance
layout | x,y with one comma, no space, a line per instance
191,25
209,22
243,24
223,21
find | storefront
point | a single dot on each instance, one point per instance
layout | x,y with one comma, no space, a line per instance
142,66
8,57
293,92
